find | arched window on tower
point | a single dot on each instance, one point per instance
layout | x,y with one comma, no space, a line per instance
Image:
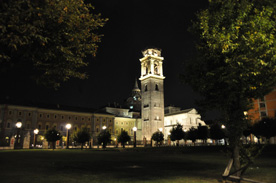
146,88
156,87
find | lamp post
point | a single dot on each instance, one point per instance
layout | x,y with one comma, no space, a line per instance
68,126
35,133
134,136
17,142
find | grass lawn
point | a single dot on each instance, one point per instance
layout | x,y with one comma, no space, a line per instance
156,165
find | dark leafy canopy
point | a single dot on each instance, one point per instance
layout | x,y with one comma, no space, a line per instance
123,137
158,137
104,137
193,134
203,133
82,136
52,135
216,132
236,59
265,128
177,133
52,37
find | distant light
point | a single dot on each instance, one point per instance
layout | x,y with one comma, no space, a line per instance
135,128
169,133
36,131
131,107
18,124
223,126
68,126
104,127
160,129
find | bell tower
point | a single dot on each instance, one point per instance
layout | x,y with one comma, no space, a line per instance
152,91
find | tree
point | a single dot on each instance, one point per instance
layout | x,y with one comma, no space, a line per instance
235,42
266,127
216,132
104,137
158,137
50,39
202,133
52,136
193,134
82,136
177,133
123,138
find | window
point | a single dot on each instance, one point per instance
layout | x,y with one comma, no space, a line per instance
10,112
263,114
40,115
48,116
28,125
82,119
97,129
76,118
75,128
88,119
30,114
55,116
47,127
116,132
8,125
156,87
61,128
19,113
262,105
146,88
110,130
62,117
39,127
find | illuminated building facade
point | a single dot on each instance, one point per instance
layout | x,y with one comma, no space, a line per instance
152,79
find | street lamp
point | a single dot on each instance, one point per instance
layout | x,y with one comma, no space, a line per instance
35,133
68,126
134,136
223,126
104,127
18,126
160,129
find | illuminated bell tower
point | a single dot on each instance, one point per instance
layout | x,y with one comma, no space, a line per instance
152,105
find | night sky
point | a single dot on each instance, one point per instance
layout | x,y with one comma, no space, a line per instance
133,26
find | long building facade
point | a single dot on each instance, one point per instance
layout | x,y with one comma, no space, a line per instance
144,109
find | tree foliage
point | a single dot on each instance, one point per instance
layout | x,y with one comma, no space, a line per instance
103,138
266,127
192,134
177,133
202,133
82,136
53,135
123,138
236,59
50,38
216,132
158,137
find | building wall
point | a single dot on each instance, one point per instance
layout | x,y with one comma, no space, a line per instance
44,119
263,107
186,118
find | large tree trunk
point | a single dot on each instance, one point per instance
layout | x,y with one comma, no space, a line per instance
236,158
